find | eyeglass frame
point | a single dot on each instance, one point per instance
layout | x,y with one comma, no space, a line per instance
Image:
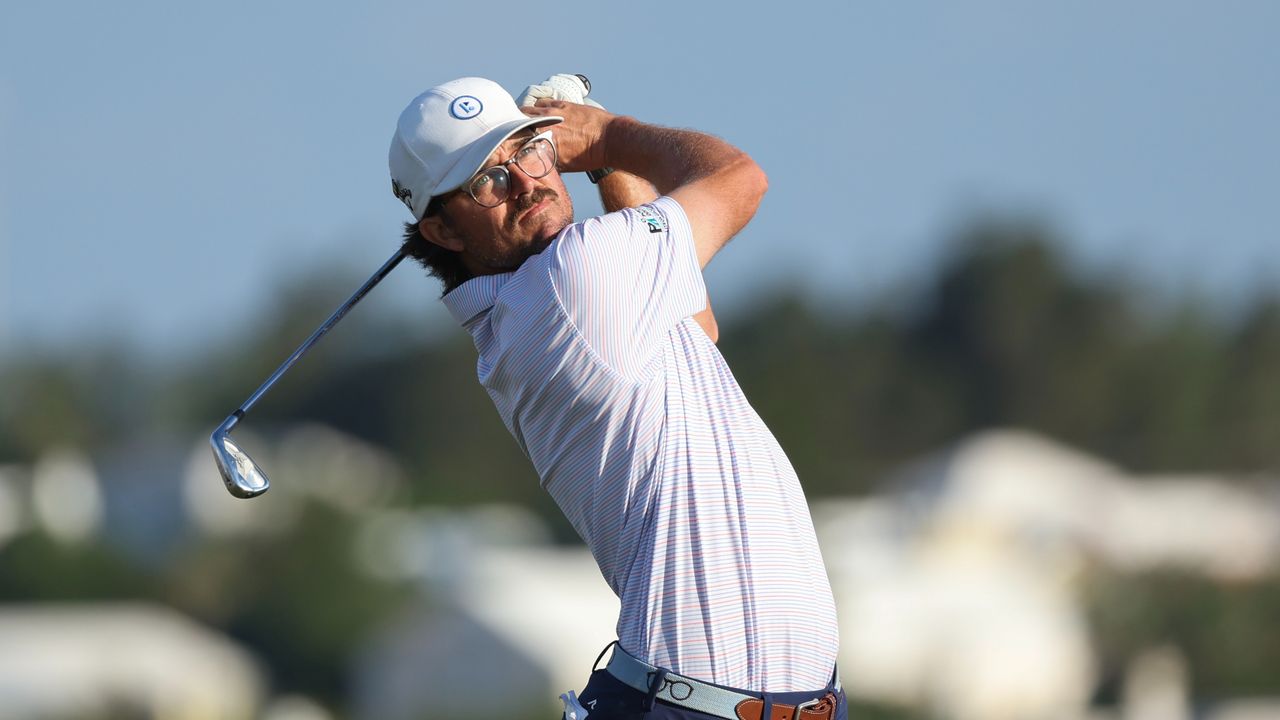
555,159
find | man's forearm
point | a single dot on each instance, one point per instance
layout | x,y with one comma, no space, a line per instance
719,186
666,157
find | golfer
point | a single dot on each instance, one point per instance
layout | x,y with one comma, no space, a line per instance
597,346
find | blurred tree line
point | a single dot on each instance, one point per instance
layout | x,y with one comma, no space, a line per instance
1006,333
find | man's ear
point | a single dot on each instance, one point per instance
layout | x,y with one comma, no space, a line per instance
436,230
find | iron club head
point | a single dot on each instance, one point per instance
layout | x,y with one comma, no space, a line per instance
243,477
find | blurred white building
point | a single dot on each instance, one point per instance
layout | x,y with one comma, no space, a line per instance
510,623
957,590
59,495
945,619
65,495
131,659
1031,495
309,462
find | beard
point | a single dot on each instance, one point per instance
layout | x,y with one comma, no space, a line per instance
490,257
513,258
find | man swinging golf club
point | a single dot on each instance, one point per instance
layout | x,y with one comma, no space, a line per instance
596,345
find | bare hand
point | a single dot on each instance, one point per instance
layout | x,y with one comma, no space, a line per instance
580,138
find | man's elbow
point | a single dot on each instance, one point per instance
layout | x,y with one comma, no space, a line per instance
762,181
755,183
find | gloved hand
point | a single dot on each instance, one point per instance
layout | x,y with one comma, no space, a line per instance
562,86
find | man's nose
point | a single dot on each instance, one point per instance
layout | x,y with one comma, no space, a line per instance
521,183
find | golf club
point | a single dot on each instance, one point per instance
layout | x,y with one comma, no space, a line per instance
243,477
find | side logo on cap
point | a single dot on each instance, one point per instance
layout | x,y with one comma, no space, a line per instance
404,193
465,107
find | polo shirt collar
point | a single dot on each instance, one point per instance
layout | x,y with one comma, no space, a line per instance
475,296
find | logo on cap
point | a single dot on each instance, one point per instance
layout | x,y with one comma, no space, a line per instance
465,107
404,193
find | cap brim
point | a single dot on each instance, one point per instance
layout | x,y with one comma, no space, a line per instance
476,155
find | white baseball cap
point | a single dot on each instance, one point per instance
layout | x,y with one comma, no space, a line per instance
445,135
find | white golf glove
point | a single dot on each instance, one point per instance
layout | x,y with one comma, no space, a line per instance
562,86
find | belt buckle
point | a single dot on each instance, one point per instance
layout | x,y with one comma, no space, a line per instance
814,703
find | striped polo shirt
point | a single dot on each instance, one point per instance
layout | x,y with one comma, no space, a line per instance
642,436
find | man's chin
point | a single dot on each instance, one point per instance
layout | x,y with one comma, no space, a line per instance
517,257
550,222
537,246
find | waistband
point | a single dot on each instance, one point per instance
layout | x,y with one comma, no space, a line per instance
686,692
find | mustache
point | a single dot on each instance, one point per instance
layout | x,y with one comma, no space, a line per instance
524,202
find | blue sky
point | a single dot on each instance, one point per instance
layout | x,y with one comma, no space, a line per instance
165,166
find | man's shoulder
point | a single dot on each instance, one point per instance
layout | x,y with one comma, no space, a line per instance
654,220
657,217
655,214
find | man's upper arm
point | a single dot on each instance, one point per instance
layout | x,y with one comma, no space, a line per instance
721,204
719,185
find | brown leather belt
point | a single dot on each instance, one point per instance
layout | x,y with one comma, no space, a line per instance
823,708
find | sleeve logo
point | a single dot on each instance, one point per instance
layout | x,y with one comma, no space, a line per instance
652,218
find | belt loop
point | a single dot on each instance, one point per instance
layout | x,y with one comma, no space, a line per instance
659,677
766,711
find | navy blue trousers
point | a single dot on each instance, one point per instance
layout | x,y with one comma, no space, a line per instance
607,698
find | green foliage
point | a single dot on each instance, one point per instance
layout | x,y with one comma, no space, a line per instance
1251,397
1009,335
1006,335
40,569
1227,631
298,599
88,401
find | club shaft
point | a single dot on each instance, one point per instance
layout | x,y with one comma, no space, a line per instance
337,315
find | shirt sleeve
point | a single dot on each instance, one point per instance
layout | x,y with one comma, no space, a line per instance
627,278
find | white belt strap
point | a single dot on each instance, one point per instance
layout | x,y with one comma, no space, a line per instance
683,691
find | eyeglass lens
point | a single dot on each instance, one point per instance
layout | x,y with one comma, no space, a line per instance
535,158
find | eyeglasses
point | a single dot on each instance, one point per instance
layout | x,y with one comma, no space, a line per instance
536,158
